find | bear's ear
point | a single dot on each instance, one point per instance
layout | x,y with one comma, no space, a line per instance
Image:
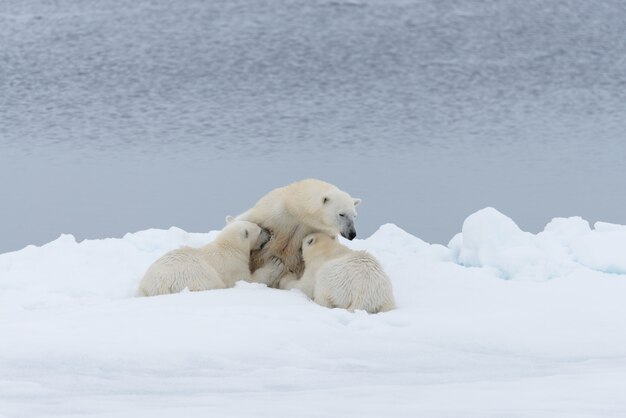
357,201
325,200
310,241
246,234
229,219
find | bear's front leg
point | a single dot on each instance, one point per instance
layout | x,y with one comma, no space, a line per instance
306,283
289,281
270,272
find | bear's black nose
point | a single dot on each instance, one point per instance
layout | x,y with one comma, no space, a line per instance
351,235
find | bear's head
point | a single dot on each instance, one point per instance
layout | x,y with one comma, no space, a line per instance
338,211
245,235
317,245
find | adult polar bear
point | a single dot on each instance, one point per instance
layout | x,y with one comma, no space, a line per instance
291,213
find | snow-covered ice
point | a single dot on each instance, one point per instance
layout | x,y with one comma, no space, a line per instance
502,323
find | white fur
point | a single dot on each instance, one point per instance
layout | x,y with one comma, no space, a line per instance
338,277
217,265
292,212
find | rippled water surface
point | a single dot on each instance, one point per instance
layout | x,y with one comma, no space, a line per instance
124,115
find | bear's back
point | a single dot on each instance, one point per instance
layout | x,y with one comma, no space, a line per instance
355,281
178,269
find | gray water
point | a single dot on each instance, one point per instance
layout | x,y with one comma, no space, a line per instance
117,116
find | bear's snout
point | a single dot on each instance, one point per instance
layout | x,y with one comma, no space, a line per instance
349,234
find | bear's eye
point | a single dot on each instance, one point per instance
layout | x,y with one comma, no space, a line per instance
343,215
310,241
247,233
325,200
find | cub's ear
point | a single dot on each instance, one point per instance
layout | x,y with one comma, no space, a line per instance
229,219
357,201
325,200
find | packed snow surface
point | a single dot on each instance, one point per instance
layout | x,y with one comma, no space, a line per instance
501,323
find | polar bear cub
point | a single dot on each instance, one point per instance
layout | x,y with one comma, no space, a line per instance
217,265
338,277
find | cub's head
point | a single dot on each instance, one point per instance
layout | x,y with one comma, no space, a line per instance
245,234
317,244
338,211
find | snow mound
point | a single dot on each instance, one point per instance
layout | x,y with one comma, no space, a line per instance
492,240
603,249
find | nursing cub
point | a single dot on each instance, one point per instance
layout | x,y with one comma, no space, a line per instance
338,277
217,265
